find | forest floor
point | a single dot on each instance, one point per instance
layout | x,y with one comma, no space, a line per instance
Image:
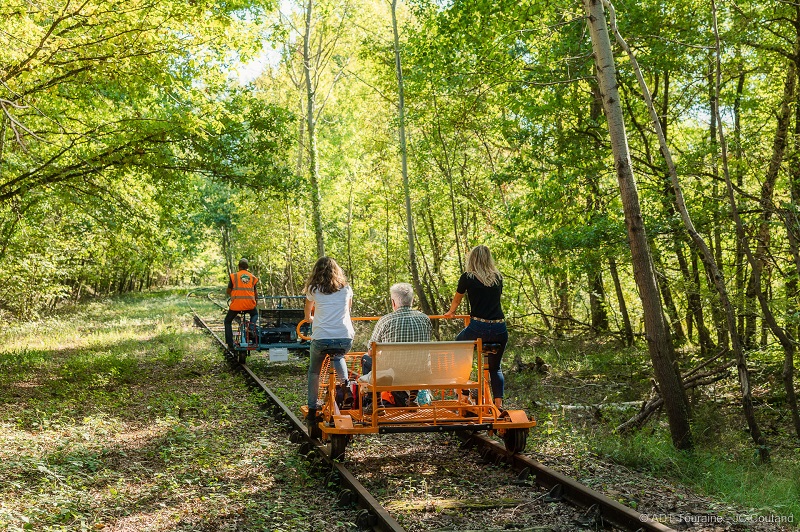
120,415
588,389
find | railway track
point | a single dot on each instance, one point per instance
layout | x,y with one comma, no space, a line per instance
599,510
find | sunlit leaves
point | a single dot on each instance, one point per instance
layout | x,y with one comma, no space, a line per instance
111,110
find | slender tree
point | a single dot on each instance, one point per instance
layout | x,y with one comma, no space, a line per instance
658,340
311,121
401,117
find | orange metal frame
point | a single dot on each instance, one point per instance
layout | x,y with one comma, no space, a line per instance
451,408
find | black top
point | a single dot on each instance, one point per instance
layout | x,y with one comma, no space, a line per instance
483,300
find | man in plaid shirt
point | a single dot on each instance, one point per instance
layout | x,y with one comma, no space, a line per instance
403,324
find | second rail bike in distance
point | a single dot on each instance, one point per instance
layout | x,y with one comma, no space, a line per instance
279,327
454,376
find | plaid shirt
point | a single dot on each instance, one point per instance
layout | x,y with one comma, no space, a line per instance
402,325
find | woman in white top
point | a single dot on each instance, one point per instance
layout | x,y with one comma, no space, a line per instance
328,301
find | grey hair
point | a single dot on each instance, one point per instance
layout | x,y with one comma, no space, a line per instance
403,293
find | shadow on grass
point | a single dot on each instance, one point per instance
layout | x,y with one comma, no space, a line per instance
106,375
179,471
131,432
144,428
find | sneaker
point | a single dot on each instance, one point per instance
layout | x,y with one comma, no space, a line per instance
312,423
347,402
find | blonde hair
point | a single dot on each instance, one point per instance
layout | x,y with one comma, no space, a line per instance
480,265
326,277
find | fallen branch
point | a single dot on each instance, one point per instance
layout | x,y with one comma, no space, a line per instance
656,401
594,408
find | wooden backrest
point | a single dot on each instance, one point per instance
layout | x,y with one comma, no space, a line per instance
423,364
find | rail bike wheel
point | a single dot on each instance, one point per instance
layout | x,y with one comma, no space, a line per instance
338,446
515,440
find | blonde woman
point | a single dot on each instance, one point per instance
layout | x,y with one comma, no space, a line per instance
483,285
327,308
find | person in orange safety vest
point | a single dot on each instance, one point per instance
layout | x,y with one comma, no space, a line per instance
243,291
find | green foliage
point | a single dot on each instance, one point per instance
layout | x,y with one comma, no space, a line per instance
114,116
130,157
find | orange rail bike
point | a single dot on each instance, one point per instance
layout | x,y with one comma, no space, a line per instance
455,395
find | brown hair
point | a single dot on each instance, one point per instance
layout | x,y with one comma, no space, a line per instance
480,265
326,277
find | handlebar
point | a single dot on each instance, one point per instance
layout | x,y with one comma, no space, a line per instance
300,334
464,317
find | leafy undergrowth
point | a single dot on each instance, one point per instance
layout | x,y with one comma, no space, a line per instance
589,389
120,415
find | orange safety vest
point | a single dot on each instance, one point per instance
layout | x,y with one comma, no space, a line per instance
243,293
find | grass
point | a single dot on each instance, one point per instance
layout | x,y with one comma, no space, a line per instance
120,415
771,489
723,463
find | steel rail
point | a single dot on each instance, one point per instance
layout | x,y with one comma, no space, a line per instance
603,509
372,514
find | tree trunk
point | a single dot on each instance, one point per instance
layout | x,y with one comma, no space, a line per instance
289,284
715,248
350,268
696,306
759,259
666,294
313,161
792,223
447,169
225,229
562,310
598,300
623,307
708,258
749,313
401,110
659,343
741,361
739,258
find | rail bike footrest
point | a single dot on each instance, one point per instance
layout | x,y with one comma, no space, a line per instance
517,416
343,422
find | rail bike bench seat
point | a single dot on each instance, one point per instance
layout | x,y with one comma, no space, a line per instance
459,401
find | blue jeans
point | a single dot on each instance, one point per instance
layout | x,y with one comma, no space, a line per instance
490,333
317,352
